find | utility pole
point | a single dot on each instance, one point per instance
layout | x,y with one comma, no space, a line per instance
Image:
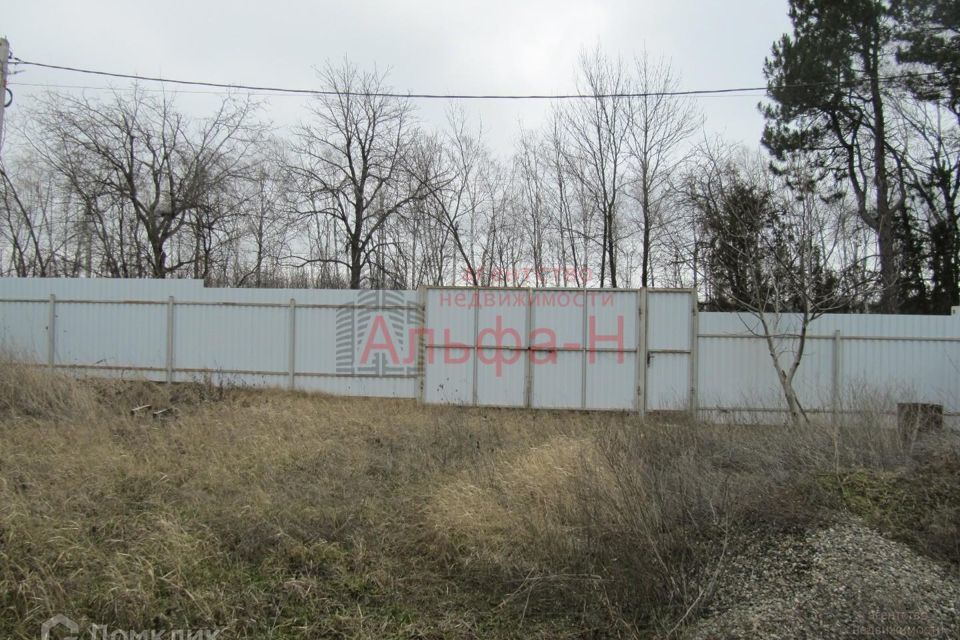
4,55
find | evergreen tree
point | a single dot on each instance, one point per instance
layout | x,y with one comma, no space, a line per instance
930,36
828,96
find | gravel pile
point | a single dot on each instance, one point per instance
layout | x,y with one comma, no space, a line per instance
845,581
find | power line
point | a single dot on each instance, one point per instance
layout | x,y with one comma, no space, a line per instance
388,94
87,87
437,96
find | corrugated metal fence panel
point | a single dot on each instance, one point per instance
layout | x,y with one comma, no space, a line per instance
879,373
23,329
737,369
451,327
736,372
117,336
231,339
585,348
326,297
615,319
315,351
874,371
376,347
558,381
670,317
238,336
501,377
853,324
373,387
668,381
501,371
613,324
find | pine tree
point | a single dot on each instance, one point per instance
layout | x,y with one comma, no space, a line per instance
827,88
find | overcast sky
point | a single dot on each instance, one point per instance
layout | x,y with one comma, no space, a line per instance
429,46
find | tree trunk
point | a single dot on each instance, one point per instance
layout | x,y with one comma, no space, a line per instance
889,273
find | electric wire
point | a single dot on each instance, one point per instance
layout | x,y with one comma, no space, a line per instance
453,96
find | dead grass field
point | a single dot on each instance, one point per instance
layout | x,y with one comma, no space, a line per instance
287,515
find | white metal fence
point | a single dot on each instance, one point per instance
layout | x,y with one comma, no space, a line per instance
850,363
178,330
635,350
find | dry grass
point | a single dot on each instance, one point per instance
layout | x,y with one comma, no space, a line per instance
283,515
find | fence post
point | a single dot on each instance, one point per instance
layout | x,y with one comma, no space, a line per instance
170,307
583,353
292,347
641,350
476,345
694,359
835,378
421,347
52,332
644,353
528,374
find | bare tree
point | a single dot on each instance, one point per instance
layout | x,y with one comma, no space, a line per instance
263,228
661,124
470,200
772,254
424,239
597,131
353,163
37,221
575,217
143,170
531,176
929,166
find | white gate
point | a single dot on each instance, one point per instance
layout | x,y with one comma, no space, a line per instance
544,348
671,350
